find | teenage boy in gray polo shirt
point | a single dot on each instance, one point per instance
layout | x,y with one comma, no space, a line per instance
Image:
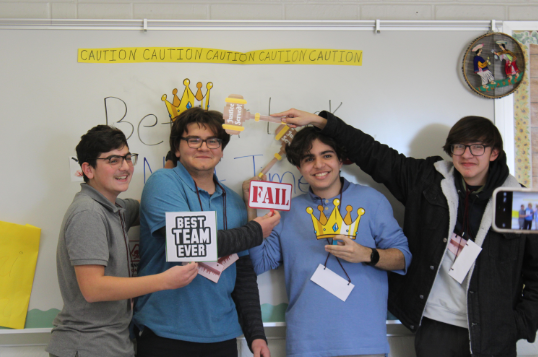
93,255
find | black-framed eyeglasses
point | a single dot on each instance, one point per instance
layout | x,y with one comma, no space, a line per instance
117,160
475,149
196,142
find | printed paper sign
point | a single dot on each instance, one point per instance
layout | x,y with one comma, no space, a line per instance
191,236
270,195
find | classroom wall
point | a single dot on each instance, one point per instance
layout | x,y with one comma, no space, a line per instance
514,10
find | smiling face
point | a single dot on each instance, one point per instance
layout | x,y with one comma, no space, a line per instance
321,169
110,180
474,169
201,161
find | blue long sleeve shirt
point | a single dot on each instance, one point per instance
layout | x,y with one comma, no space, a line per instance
318,323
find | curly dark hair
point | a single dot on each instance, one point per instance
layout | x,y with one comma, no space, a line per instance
210,119
302,144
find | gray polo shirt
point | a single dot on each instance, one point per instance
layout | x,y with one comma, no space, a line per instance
92,234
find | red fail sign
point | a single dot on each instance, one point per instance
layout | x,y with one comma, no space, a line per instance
270,195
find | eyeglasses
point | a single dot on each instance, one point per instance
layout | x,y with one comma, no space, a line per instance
117,160
475,149
196,142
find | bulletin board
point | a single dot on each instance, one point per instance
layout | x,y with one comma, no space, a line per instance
407,92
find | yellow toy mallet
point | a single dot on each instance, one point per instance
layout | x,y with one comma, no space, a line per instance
235,115
285,134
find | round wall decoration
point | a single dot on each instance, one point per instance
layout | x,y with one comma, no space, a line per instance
494,65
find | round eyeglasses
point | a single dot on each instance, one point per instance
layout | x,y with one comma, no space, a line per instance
196,142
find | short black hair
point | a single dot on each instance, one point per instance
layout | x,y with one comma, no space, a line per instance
210,119
302,144
99,139
473,129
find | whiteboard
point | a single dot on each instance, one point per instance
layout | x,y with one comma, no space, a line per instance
408,92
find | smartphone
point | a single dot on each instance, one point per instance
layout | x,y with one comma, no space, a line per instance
515,210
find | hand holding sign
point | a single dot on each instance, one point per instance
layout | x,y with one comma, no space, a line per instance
268,222
349,250
179,276
272,196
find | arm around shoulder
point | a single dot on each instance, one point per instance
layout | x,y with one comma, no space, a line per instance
386,165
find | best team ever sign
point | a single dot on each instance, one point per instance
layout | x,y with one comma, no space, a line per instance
191,237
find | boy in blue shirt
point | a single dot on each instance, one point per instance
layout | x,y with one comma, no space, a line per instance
203,318
318,323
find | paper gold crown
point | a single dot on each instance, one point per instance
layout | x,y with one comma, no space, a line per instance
188,98
335,225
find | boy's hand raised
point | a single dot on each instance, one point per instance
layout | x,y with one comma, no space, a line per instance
295,118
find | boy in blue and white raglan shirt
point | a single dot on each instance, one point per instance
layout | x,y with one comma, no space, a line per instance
319,323
204,318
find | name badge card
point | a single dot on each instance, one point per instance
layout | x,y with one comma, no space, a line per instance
270,195
191,236
463,262
332,282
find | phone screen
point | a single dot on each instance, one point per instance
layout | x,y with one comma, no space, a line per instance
517,210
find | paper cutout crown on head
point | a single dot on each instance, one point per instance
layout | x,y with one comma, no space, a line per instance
335,225
187,101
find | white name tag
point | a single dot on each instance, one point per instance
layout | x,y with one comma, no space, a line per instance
332,282
463,262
